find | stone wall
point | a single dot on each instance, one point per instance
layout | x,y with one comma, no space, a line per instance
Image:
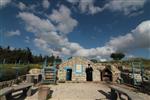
97,68
78,77
96,75
71,64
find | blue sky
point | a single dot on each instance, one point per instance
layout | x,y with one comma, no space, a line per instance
88,28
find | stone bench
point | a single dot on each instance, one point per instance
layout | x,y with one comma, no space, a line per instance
25,87
6,93
119,91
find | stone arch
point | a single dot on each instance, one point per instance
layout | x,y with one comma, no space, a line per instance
106,74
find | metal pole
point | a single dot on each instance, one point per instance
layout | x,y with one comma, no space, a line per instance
4,61
133,73
1,65
142,72
19,61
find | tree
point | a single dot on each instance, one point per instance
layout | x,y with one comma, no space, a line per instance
94,60
117,56
51,59
58,59
23,56
29,55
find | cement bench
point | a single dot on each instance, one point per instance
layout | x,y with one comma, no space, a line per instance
118,91
26,87
6,93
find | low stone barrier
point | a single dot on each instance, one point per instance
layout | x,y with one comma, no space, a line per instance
9,83
6,93
117,92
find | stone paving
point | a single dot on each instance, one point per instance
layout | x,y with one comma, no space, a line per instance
77,91
80,91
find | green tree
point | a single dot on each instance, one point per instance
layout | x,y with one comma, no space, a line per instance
29,55
117,56
94,60
51,59
58,59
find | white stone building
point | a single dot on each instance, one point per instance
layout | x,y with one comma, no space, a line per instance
74,70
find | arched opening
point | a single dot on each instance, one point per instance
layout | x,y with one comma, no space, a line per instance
106,75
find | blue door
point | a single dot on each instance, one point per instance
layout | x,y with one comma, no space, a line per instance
69,75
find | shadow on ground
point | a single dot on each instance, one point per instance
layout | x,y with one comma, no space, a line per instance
50,94
107,95
21,96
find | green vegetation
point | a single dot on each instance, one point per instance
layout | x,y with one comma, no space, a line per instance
11,71
117,56
18,62
127,63
94,60
23,56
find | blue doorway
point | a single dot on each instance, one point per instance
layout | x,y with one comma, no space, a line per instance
69,75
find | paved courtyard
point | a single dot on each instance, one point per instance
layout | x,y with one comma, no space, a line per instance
77,91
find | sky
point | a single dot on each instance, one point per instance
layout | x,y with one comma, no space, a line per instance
87,28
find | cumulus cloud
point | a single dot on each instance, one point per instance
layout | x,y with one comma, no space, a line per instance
51,35
93,52
27,7
36,24
125,6
121,43
22,6
46,4
62,18
13,33
50,39
3,3
138,38
142,33
43,29
86,6
43,45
